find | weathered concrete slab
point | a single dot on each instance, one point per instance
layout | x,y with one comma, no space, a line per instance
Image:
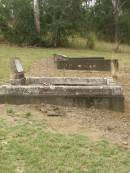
102,96
84,91
89,63
91,81
115,103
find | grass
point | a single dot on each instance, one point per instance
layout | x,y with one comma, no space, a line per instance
28,114
28,147
29,55
10,111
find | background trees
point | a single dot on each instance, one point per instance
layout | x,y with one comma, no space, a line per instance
52,22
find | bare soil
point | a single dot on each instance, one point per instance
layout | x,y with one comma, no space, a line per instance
47,67
91,122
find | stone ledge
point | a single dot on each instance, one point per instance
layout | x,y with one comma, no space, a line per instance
85,91
92,81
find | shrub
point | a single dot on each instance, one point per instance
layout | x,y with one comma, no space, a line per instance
91,40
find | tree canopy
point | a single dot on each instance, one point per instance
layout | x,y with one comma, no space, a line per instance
52,22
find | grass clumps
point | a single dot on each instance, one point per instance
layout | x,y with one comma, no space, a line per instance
28,114
10,111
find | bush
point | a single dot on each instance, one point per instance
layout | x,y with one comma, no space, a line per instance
91,41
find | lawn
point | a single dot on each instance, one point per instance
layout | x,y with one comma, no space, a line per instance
29,55
27,146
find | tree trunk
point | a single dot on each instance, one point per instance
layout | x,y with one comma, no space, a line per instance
117,40
116,9
37,15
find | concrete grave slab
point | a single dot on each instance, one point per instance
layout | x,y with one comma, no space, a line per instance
93,91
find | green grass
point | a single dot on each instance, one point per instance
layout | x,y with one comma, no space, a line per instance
28,114
28,147
10,111
29,55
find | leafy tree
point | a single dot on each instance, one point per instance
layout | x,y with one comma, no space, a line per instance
61,19
52,22
18,24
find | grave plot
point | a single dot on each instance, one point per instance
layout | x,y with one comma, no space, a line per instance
98,92
89,63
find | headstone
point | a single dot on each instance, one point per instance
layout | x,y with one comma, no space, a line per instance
114,68
86,63
18,72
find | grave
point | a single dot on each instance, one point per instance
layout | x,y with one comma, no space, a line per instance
99,92
86,63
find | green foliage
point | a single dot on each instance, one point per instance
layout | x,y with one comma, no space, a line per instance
60,20
124,26
10,111
103,20
91,40
18,24
28,114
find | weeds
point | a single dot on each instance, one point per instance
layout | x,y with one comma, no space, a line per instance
10,111
27,114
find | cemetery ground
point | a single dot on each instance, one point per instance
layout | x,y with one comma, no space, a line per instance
78,140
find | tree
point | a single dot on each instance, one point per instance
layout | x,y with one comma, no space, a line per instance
36,4
117,12
61,19
53,22
110,20
19,22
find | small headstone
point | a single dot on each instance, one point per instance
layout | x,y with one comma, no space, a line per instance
18,72
19,67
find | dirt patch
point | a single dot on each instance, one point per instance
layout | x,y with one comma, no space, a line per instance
91,122
47,67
